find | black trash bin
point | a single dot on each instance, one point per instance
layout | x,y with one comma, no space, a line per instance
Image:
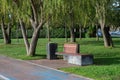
51,49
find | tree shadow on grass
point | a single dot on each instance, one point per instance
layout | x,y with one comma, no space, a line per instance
98,43
117,41
106,61
43,56
94,43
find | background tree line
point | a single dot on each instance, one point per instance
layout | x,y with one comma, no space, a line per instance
35,14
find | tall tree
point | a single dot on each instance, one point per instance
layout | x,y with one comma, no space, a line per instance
69,16
78,12
101,12
5,21
38,13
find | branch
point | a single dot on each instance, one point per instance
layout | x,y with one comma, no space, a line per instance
24,35
33,23
41,9
34,11
41,23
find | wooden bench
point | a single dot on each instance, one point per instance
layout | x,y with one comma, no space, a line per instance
72,55
69,49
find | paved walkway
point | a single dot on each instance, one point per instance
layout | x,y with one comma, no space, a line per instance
56,64
11,69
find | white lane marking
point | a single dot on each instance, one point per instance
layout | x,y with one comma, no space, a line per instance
3,77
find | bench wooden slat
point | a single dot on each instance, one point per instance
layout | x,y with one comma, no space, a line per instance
71,48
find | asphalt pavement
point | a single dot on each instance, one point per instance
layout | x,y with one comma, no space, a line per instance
12,69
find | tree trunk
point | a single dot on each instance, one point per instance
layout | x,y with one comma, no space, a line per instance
66,39
80,32
72,34
97,36
48,32
17,33
30,48
24,36
36,24
9,33
33,43
106,36
6,32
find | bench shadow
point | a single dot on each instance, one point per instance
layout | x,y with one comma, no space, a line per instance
106,61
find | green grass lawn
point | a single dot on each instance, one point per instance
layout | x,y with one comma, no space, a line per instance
106,60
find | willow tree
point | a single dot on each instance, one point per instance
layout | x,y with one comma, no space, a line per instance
84,14
69,16
102,9
71,12
5,16
77,12
37,13
97,12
